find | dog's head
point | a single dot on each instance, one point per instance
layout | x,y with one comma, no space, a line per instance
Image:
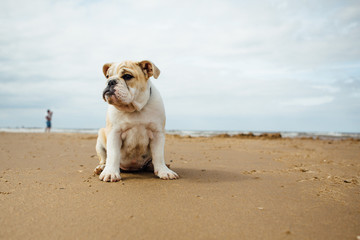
127,84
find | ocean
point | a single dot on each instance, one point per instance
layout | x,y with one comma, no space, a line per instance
195,133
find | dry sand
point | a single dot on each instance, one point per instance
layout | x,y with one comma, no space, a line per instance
230,188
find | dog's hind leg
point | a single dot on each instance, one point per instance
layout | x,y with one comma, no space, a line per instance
101,151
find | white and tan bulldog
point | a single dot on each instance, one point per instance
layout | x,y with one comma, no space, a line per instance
134,136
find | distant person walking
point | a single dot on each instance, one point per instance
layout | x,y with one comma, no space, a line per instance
48,117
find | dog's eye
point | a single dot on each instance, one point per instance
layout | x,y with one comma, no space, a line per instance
127,77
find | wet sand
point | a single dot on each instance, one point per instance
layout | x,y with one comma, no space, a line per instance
230,188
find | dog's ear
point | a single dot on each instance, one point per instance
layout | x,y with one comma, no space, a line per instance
106,68
149,69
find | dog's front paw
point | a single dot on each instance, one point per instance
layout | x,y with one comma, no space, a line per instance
166,173
110,175
99,169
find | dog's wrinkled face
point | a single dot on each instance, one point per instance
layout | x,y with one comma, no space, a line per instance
127,84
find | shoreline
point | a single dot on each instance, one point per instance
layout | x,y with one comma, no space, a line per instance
210,134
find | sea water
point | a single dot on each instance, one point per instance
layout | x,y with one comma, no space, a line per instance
195,133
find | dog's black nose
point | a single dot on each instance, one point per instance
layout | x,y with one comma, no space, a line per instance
112,83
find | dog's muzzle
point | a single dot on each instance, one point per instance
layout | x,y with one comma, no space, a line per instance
109,90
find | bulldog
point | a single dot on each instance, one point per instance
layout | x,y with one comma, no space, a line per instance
134,136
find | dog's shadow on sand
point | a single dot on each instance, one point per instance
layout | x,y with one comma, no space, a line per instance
211,175
197,175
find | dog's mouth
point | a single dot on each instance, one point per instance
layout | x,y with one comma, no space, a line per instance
108,91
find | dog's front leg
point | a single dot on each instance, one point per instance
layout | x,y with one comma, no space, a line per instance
111,172
157,149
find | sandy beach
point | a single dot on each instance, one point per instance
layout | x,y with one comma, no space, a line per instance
230,188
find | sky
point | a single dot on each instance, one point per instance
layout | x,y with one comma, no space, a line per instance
270,65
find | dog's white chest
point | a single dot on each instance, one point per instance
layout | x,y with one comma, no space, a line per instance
135,149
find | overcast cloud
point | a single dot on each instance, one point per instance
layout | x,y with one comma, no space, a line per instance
225,65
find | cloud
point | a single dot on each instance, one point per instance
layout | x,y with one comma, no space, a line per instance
306,102
217,58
